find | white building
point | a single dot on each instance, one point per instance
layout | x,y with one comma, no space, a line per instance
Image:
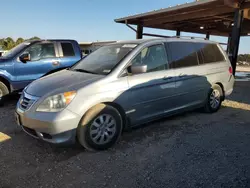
2,52
88,47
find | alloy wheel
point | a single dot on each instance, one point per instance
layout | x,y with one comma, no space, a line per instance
215,99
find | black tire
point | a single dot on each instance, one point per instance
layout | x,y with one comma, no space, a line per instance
209,108
86,125
3,92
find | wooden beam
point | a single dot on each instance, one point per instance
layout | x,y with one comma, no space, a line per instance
245,5
226,15
194,30
203,21
232,3
224,18
131,27
200,13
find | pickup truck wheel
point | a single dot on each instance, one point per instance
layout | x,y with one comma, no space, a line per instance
3,92
100,128
214,99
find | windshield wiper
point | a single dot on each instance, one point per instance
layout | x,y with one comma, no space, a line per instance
82,70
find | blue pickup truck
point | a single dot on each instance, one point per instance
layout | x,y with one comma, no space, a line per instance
34,59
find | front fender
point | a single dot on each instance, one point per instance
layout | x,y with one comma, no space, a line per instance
7,76
81,105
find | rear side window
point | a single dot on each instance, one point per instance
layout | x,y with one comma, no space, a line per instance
211,53
67,49
183,54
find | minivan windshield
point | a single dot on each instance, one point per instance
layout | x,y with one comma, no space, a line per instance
103,60
16,50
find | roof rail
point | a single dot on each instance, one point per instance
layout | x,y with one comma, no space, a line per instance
190,37
221,43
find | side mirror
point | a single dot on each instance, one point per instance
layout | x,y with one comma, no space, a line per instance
137,69
24,57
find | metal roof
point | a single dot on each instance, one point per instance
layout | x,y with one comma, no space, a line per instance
213,16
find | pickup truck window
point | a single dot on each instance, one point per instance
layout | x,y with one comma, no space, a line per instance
41,51
67,49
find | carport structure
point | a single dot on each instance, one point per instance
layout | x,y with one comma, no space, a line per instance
228,18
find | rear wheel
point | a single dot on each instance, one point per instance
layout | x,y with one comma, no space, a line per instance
3,92
100,128
214,99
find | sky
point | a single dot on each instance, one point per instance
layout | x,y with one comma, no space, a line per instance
82,20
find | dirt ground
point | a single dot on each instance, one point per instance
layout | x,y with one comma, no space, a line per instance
189,150
243,68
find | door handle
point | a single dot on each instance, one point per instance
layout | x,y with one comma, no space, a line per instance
167,78
55,63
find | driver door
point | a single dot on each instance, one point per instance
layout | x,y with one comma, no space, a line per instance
43,59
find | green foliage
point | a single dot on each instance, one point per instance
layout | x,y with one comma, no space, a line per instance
19,41
244,57
8,43
34,38
2,44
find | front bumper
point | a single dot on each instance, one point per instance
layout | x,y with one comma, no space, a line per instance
56,128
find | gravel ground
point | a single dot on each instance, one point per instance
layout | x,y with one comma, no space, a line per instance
188,150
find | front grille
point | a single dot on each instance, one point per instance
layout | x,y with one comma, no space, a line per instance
26,103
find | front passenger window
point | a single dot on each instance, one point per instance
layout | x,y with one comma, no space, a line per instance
154,57
41,51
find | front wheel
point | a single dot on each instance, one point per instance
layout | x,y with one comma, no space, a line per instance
214,99
100,128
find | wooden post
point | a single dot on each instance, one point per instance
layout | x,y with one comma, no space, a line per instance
178,33
235,40
208,36
229,42
139,32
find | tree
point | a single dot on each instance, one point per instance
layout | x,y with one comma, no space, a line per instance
9,43
2,44
244,57
34,38
19,41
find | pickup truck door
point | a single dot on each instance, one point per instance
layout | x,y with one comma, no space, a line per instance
43,59
69,53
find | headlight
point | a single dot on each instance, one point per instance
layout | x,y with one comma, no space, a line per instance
56,103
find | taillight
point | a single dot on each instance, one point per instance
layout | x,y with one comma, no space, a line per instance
230,70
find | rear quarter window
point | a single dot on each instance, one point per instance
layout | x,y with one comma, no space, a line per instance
67,49
211,53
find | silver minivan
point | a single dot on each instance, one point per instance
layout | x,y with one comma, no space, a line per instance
122,85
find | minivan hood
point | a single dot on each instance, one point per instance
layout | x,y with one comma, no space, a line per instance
62,81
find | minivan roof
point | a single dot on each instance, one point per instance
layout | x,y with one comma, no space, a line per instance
50,40
171,39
